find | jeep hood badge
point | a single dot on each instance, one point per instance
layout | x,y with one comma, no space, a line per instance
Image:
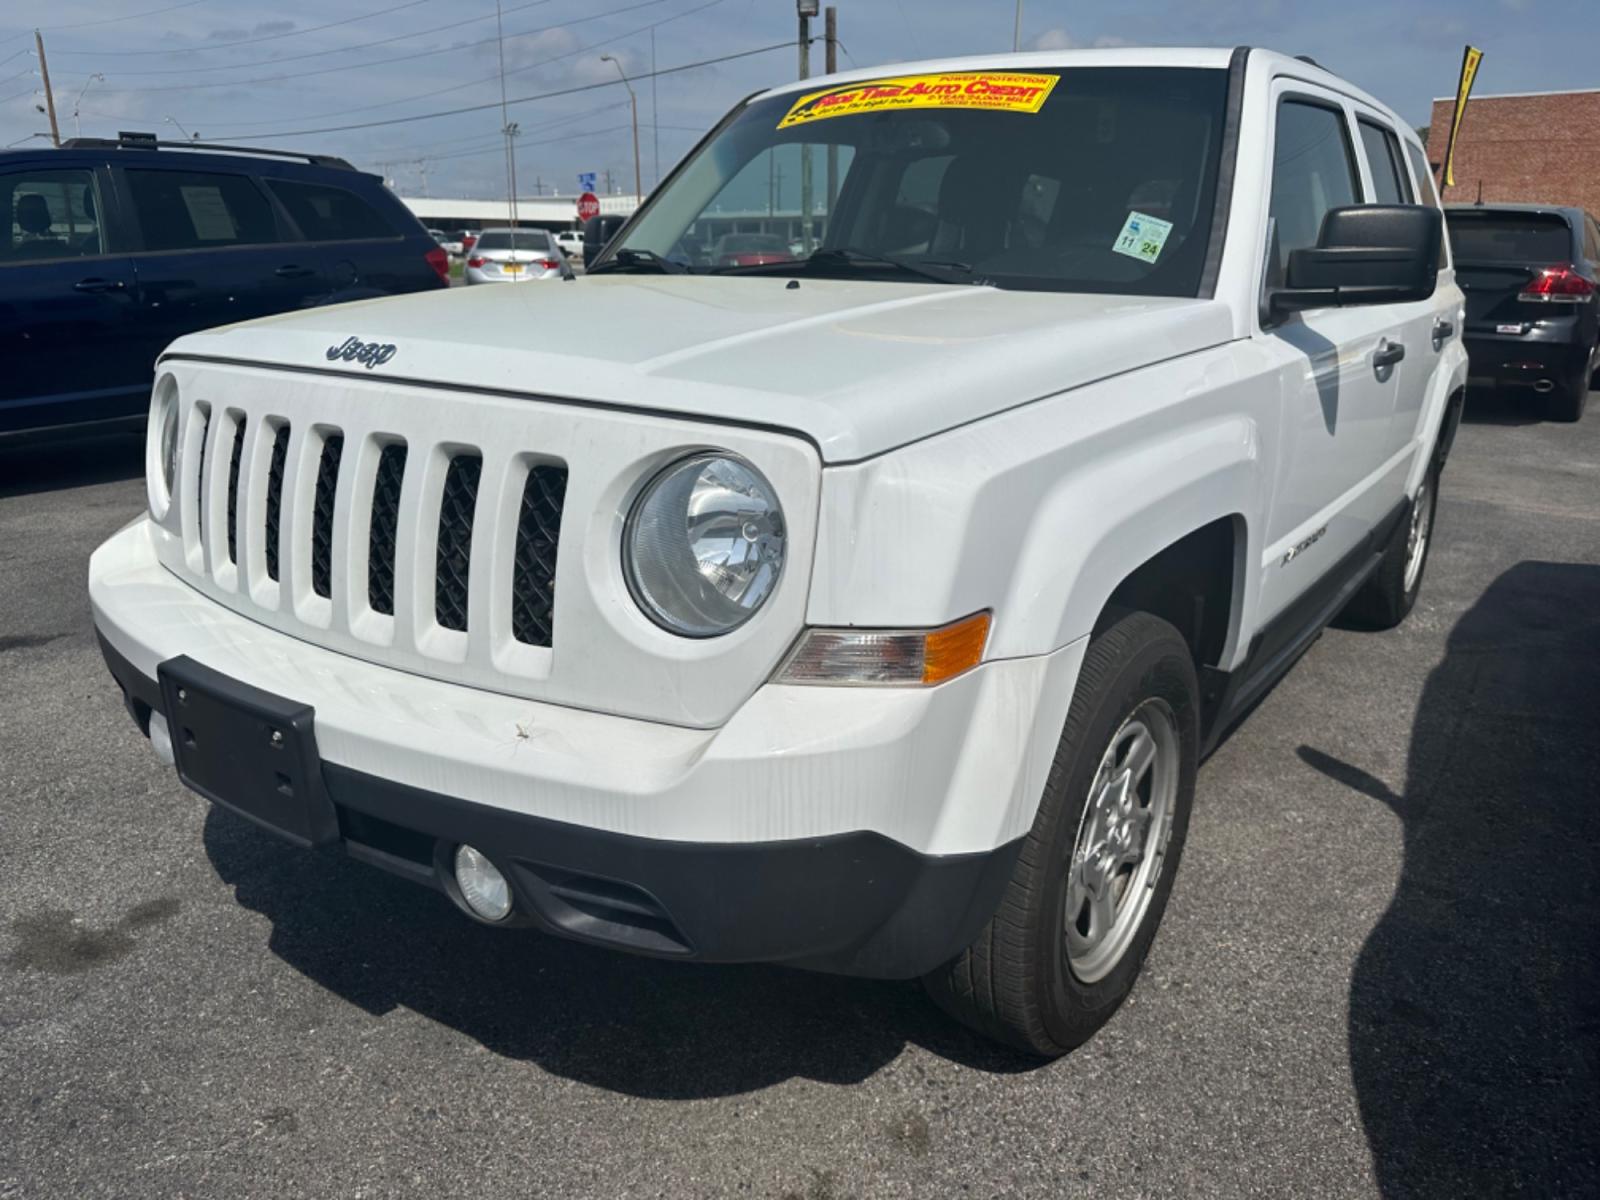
369,354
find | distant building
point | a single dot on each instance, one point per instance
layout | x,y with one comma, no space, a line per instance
1531,148
542,212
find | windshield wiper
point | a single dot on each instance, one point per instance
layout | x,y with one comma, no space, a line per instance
835,256
628,259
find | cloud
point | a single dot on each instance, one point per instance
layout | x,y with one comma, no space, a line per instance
1052,39
264,29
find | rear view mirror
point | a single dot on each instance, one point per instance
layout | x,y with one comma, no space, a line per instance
1365,254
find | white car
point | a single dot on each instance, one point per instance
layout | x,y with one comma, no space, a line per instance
513,256
571,242
870,612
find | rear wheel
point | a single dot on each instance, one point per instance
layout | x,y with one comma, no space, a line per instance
1388,597
1092,881
1569,399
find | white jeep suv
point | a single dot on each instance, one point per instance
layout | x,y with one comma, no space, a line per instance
866,607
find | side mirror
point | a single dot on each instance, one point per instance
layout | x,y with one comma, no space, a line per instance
1365,254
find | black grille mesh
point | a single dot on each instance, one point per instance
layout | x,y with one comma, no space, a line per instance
455,540
385,520
533,580
322,515
280,456
233,492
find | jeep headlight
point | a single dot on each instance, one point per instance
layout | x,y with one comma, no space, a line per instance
704,544
164,446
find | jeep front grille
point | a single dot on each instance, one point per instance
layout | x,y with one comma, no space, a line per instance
450,510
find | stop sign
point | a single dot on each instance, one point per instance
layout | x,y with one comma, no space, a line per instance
588,206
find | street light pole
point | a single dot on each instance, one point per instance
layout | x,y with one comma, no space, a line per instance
173,121
633,103
77,127
806,9
1016,30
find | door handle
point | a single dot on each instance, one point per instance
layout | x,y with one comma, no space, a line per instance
1443,331
293,271
100,285
1387,354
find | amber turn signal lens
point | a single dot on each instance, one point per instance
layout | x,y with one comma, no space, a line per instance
887,657
955,648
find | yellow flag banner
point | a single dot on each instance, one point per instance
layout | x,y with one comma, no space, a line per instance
1469,72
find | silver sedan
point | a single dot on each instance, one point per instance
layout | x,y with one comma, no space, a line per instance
513,256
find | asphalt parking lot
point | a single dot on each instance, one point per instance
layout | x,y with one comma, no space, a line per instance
1379,974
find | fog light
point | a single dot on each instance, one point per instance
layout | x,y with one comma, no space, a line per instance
483,888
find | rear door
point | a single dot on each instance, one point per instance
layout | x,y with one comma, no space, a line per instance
68,336
366,243
211,252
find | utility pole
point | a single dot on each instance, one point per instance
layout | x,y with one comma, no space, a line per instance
806,9
655,117
633,103
509,129
49,96
830,34
1016,30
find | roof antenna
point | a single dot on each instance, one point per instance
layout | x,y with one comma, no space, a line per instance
1480,194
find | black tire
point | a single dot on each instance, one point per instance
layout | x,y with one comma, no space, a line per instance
1569,399
1015,983
1384,600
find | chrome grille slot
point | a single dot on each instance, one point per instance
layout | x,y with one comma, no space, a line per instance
233,491
533,577
322,515
274,519
384,528
457,506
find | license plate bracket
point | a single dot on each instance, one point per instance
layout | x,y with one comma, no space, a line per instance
248,750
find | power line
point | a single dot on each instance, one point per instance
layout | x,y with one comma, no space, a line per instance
471,83
268,37
229,83
149,12
571,91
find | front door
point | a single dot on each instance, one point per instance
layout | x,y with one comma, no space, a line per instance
1338,368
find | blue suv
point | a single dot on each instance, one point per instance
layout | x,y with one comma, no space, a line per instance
111,249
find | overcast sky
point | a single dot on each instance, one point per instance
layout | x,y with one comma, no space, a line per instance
239,70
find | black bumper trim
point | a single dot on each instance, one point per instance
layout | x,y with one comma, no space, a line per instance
854,903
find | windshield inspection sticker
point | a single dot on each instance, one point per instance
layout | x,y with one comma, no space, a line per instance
1142,237
996,91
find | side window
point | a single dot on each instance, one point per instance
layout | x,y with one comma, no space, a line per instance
330,214
1313,170
49,214
192,210
1426,193
1389,178
1591,239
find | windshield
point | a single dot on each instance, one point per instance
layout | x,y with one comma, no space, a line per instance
501,239
1084,179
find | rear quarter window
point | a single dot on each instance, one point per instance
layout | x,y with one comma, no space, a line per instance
1530,238
325,213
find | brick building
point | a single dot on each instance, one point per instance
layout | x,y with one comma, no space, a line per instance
1537,148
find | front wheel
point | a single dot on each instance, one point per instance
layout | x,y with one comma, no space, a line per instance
1081,910
1388,597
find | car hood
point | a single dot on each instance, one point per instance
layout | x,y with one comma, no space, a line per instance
858,367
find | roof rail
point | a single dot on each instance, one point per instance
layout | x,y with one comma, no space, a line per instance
145,141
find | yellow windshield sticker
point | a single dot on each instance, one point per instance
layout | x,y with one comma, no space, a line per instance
995,91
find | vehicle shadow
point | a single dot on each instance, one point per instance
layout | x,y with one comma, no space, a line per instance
1502,406
1474,1018
109,458
644,1027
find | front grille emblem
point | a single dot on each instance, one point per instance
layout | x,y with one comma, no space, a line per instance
369,354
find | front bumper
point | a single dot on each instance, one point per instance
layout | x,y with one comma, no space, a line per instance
869,831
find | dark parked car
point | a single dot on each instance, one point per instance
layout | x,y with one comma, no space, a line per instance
1533,316
112,249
